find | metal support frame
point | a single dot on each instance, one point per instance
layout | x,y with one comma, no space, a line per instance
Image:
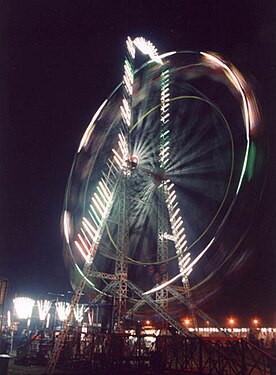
121,266
188,296
162,250
174,291
155,306
59,344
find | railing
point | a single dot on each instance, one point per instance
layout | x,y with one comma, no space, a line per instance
34,351
173,354
145,354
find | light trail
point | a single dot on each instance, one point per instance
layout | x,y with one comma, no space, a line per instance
185,272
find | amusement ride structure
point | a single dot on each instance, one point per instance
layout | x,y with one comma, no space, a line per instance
155,180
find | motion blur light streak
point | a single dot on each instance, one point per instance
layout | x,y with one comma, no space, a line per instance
250,109
90,127
66,226
184,271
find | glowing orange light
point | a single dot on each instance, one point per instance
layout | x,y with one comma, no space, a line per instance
256,321
187,321
231,321
147,322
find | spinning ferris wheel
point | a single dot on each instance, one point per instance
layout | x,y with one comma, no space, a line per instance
156,176
155,181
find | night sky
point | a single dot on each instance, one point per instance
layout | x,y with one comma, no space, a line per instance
59,60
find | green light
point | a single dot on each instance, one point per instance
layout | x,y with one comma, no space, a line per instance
251,161
82,274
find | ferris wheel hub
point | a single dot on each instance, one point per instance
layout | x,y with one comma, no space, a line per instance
131,163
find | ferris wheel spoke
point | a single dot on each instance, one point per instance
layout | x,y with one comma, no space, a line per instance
205,156
140,205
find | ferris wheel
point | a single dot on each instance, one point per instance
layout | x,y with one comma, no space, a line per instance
156,177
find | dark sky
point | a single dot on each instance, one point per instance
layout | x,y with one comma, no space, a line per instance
59,60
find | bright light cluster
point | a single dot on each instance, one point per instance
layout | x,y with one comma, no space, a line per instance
90,232
128,77
147,48
63,310
121,156
178,229
126,111
43,308
23,307
78,312
130,47
164,118
128,80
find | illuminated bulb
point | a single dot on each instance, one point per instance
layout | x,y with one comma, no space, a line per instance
48,320
255,321
9,318
175,213
180,232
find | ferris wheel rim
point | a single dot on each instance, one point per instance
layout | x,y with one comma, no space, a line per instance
133,127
